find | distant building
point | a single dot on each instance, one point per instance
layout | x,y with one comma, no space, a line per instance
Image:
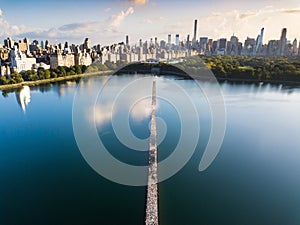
9,43
156,42
221,46
22,46
87,45
20,62
177,40
145,48
169,39
195,32
259,41
249,46
188,42
83,59
59,59
233,46
272,48
163,44
127,40
214,47
295,48
203,44
283,42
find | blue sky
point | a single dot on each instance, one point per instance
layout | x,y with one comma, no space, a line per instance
108,21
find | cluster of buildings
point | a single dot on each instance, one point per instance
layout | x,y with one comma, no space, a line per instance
251,46
22,55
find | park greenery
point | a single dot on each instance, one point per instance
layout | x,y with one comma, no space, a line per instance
253,68
60,71
42,74
107,66
269,69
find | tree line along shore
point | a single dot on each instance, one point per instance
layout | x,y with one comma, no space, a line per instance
281,69
61,73
240,68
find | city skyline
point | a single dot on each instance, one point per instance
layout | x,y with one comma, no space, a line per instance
108,22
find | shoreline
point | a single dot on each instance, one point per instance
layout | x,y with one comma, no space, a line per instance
253,81
51,80
71,77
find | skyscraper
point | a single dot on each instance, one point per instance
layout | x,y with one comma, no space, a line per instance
295,48
283,41
259,40
169,39
177,39
262,35
87,44
221,46
203,44
195,31
222,43
233,48
155,42
188,43
127,40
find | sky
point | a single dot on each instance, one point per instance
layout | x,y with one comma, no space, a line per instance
109,21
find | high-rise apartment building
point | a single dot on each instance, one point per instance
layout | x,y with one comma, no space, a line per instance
295,48
177,40
259,41
195,31
127,40
283,41
169,39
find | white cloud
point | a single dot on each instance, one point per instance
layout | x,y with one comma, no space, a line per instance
290,11
248,23
103,114
139,2
7,29
76,32
142,110
117,19
153,20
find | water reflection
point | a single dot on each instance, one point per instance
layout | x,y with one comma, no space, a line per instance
256,172
23,97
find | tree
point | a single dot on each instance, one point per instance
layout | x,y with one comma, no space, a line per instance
41,73
78,70
83,68
110,65
61,71
47,74
3,80
17,78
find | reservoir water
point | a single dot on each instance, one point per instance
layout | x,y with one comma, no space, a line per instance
254,179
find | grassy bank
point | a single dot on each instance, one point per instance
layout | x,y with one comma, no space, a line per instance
51,80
